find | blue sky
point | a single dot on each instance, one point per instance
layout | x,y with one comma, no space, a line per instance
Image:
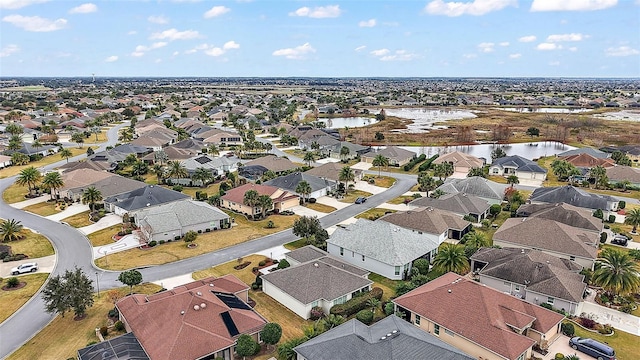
402,38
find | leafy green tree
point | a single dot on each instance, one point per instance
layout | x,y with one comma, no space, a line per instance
306,226
271,333
246,346
497,153
633,218
422,265
10,230
346,174
78,138
513,180
477,171
532,131
451,257
304,189
130,278
14,129
15,143
72,291
285,350
29,176
380,161
91,196
599,175
65,154
344,152
52,181
617,273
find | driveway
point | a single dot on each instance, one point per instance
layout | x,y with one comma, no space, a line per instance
617,319
561,345
105,222
76,208
305,211
365,186
25,203
125,243
45,265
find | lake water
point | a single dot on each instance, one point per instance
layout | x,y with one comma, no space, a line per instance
625,115
544,110
533,151
351,122
424,119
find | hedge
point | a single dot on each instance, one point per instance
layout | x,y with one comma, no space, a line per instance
427,164
356,304
414,162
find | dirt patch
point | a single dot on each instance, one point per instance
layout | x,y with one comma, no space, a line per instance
242,266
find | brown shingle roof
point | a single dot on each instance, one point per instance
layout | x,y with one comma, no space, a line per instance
83,178
588,161
331,171
448,299
564,213
458,158
620,173
236,195
428,220
273,163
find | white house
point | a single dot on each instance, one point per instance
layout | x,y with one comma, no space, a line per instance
518,166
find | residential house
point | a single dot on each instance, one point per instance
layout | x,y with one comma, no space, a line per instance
146,197
355,150
156,139
121,347
214,165
488,190
397,156
323,282
632,151
564,213
171,221
108,187
381,247
254,169
324,143
518,166
479,320
587,161
585,150
234,199
551,237
219,137
332,170
4,161
576,197
440,225
461,162
82,178
390,338
459,203
532,275
319,187
619,174
199,320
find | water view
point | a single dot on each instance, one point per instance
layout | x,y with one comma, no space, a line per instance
352,122
424,119
544,110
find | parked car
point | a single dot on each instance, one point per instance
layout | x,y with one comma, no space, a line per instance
361,200
620,240
594,348
24,268
287,212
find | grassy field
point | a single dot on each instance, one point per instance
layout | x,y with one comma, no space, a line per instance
14,299
104,236
14,193
320,207
33,245
382,181
625,344
373,213
62,338
42,209
212,189
14,170
297,244
78,220
227,268
352,195
400,200
245,230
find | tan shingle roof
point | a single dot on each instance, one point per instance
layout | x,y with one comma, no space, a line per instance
428,220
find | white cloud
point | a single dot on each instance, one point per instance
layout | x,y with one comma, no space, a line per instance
572,5
319,12
621,51
216,11
380,52
486,47
176,53
35,23
399,55
367,23
8,50
159,19
137,54
504,43
141,49
197,48
158,61
84,9
515,56
173,34
548,46
476,7
296,53
566,37
214,50
17,4
230,45
111,58
528,38
360,48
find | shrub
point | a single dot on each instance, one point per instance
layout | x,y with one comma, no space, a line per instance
254,269
607,226
258,280
365,316
356,304
316,313
495,209
411,164
104,331
559,356
622,204
568,329
422,265
12,282
178,188
372,181
598,213
255,286
161,242
571,357
605,329
262,263
190,236
603,237
612,218
283,264
119,326
427,164
588,323
270,224
626,308
547,306
388,308
113,313
152,243
312,200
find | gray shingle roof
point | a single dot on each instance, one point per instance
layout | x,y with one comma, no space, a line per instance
540,272
306,253
564,213
459,203
383,241
474,185
356,341
392,152
571,195
620,173
291,181
519,163
590,151
149,195
177,215
427,220
315,280
331,171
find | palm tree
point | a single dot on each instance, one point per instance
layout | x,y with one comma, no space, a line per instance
380,161
344,152
52,181
285,350
477,171
91,196
19,159
618,273
203,175
10,230
159,171
139,168
346,175
36,144
332,320
374,303
599,174
126,134
251,198
176,170
265,202
29,176
426,182
213,149
451,257
633,218
15,143
512,179
65,154
304,189
78,137
309,157
437,193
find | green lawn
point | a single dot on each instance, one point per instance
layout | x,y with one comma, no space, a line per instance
373,214
382,181
43,209
625,344
352,195
320,207
14,193
78,220
104,236
297,244
33,245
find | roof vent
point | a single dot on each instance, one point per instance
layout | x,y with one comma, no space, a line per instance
199,293
203,305
211,284
389,334
196,307
382,338
449,291
315,264
394,331
182,312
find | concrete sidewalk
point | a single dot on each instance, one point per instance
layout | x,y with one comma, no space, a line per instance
617,319
105,222
74,209
305,211
25,203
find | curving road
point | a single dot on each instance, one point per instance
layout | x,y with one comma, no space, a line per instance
73,249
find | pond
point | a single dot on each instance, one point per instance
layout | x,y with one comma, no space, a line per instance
424,119
351,122
528,109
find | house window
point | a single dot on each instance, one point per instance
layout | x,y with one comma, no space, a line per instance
521,357
517,288
314,304
397,270
436,329
572,258
341,251
550,300
362,257
340,300
417,321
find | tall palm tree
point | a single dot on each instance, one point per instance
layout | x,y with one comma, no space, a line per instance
304,189
309,158
426,182
346,175
251,199
344,152
475,240
65,154
618,273
176,170
15,143
213,150
10,230
52,181
78,138
139,168
477,171
159,171
265,202
91,196
633,218
451,257
380,161
203,175
36,144
599,174
19,159
29,176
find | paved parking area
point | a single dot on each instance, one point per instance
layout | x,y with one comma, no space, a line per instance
305,211
105,222
45,265
561,345
76,208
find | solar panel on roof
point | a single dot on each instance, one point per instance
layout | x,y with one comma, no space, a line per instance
231,301
203,160
228,322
